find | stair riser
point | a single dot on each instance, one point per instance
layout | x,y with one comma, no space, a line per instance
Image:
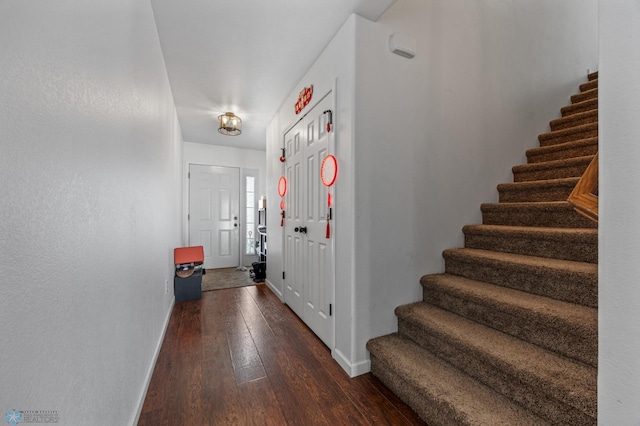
581,347
584,96
569,135
579,107
567,151
555,173
438,413
556,218
507,383
575,288
592,76
592,84
518,195
574,120
577,251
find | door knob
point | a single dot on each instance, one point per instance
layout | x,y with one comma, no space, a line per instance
235,224
303,229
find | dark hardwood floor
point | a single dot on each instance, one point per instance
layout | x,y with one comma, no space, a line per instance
240,357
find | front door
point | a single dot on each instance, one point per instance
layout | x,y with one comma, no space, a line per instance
309,276
214,208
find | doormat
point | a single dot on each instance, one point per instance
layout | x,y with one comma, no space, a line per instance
216,279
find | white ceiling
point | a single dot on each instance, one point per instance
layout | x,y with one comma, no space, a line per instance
244,56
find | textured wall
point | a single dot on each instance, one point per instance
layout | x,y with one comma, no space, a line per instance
90,165
619,243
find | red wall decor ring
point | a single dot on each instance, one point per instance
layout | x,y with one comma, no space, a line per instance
329,170
282,186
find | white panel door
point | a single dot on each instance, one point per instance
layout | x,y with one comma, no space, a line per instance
214,207
294,205
309,261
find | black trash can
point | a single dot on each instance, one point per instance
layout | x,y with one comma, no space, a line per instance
259,271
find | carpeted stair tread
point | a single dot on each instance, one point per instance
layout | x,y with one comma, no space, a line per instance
578,245
533,274
555,169
566,328
579,148
584,131
583,96
578,107
439,392
578,119
540,190
563,389
558,214
591,84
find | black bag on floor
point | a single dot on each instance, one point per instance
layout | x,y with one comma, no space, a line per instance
259,271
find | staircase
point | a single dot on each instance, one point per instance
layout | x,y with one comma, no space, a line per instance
508,334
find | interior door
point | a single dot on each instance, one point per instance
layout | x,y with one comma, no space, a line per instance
214,207
309,260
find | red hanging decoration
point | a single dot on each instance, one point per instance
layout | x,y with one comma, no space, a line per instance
330,121
282,190
303,99
328,235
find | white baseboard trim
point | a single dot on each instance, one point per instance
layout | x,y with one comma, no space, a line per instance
352,369
275,290
143,394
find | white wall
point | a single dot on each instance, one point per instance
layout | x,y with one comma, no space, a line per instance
213,155
90,165
619,244
487,79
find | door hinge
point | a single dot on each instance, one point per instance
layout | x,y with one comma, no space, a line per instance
330,309
283,275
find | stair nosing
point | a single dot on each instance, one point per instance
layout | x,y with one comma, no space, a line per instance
555,134
575,116
532,232
553,164
544,183
550,264
562,146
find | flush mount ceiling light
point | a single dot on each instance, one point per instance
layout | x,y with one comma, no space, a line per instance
230,124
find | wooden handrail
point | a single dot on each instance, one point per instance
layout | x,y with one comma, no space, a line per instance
584,197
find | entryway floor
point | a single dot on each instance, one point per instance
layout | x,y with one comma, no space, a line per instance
239,356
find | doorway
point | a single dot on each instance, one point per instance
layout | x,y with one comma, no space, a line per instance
308,253
214,214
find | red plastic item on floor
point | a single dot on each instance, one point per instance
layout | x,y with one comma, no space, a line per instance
184,255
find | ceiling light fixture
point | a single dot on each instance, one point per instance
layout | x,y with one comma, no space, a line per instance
230,124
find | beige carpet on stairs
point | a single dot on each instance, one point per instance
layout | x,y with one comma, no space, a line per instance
216,279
